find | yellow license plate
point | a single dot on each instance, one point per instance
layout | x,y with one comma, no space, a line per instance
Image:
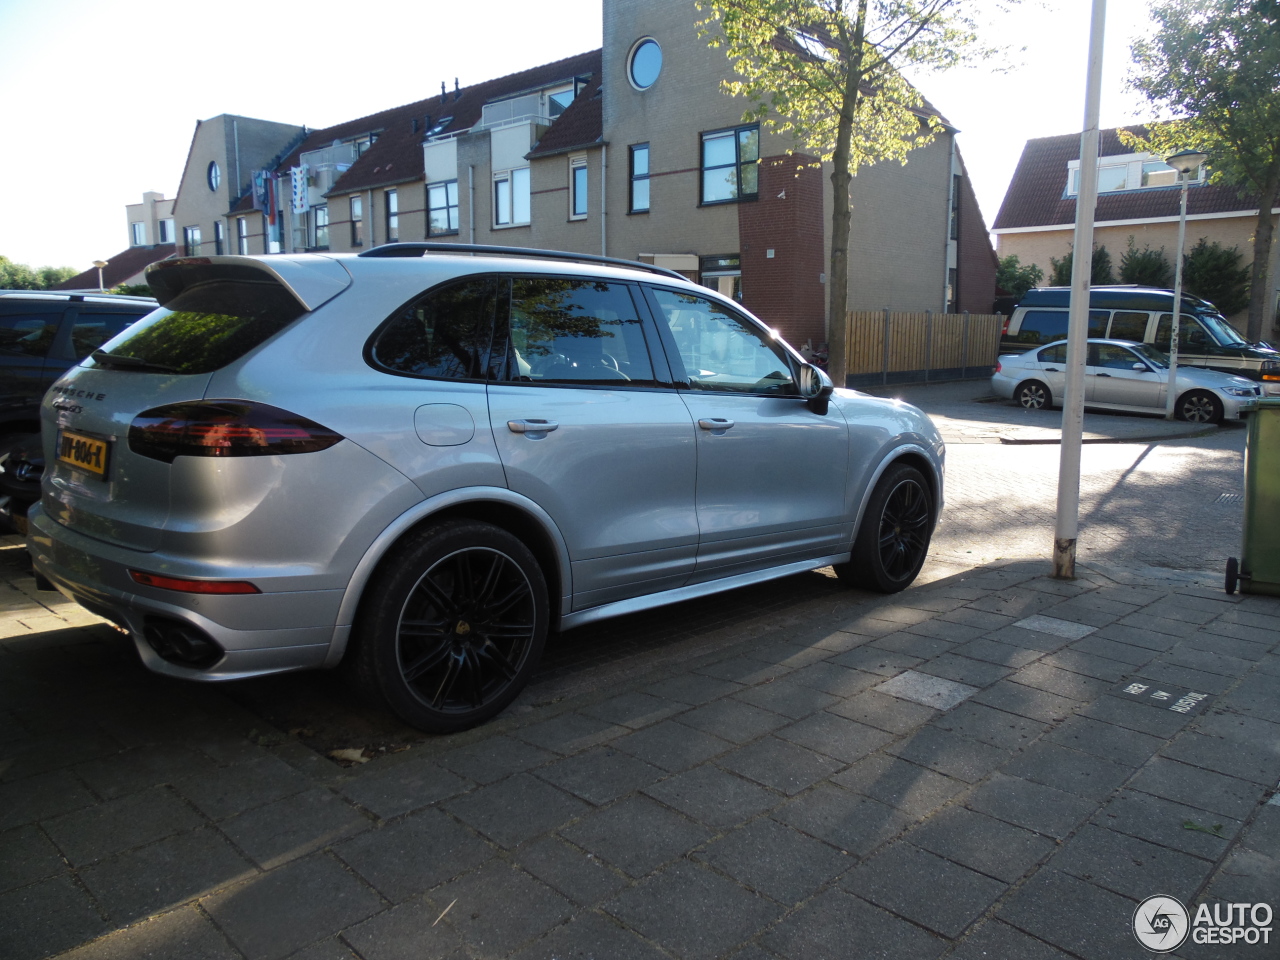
84,453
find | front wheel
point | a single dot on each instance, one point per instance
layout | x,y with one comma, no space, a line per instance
1199,406
453,627
893,539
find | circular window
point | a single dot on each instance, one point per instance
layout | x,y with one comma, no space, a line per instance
215,176
644,64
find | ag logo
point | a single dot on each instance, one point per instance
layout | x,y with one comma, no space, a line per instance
1160,923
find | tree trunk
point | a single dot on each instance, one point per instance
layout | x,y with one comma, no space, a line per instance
841,215
1259,287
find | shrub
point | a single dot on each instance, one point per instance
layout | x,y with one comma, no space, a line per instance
1016,279
1214,273
1100,273
1150,268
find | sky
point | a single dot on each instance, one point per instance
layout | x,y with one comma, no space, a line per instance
101,99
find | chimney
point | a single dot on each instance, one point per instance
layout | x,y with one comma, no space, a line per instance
456,92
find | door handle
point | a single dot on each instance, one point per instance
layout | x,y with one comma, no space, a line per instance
1050,369
715,423
531,426
1102,375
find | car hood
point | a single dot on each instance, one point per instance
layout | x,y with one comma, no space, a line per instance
1210,379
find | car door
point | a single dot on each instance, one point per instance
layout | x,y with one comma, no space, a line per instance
1053,366
27,332
592,430
1119,377
772,472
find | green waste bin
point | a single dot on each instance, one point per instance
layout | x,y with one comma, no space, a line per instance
1258,569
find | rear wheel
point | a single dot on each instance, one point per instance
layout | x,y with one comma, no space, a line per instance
1033,395
453,627
893,539
1199,406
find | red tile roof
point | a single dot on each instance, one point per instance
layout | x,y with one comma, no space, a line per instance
581,124
396,157
119,268
1036,195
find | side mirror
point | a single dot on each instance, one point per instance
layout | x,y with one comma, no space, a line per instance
815,387
1141,367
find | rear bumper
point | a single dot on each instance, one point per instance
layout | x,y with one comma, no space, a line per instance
292,630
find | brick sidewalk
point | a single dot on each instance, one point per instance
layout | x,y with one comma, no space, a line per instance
952,771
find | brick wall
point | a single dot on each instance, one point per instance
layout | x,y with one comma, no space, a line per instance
975,260
785,290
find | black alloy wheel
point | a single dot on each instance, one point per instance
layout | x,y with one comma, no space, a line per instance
1033,395
893,539
455,627
1199,406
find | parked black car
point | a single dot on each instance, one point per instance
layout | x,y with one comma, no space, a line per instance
42,334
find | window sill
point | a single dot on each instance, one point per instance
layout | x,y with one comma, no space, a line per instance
724,203
508,226
638,213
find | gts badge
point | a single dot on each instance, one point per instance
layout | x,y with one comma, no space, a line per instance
66,406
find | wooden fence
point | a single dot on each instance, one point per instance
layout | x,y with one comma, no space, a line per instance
884,347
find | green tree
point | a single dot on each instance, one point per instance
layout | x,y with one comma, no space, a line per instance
18,276
829,73
1150,268
1213,272
1015,278
133,289
1099,273
1213,66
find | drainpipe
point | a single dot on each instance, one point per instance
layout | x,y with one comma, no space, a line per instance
235,133
471,201
373,217
604,179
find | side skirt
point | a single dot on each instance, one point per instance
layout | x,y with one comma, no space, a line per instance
693,591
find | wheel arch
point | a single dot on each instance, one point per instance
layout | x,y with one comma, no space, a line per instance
1039,381
913,455
509,511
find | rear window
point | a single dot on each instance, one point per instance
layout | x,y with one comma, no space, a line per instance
1042,326
206,327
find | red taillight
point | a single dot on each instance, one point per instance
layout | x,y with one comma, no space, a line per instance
997,366
224,428
193,586
1004,327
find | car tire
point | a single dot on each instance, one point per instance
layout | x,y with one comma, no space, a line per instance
1199,406
893,539
453,626
1033,395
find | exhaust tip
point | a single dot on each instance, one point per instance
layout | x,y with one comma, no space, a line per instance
181,643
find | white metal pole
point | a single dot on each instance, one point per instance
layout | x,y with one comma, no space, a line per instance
1171,392
1067,527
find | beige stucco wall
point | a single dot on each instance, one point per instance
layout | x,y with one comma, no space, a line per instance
899,233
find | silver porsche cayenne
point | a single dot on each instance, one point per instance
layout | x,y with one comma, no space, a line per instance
421,459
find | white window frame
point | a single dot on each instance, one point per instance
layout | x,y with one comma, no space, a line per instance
579,188
167,234
450,209
138,233
242,236
1133,164
513,187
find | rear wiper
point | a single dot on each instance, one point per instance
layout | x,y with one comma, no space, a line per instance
133,363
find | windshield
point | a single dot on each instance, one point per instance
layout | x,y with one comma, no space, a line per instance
1221,331
1157,358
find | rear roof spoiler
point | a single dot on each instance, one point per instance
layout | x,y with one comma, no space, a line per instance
311,282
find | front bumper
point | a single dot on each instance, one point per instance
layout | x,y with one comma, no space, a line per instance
257,634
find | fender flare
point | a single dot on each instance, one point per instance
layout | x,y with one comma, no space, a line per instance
419,512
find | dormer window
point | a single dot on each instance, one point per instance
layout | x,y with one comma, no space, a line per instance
439,125
1134,171
363,144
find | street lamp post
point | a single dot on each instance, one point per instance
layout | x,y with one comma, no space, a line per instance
100,264
1186,163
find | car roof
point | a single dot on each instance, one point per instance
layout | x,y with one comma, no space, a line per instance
116,298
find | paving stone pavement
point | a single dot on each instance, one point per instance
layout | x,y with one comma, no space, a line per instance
750,792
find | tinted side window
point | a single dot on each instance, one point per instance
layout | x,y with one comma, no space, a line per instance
722,351
1115,358
92,330
1043,326
1054,354
28,334
1098,323
445,333
575,331
1190,333
1128,325
209,325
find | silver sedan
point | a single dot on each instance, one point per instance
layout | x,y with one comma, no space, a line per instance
1124,376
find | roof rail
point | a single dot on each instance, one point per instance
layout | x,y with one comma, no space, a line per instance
418,248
